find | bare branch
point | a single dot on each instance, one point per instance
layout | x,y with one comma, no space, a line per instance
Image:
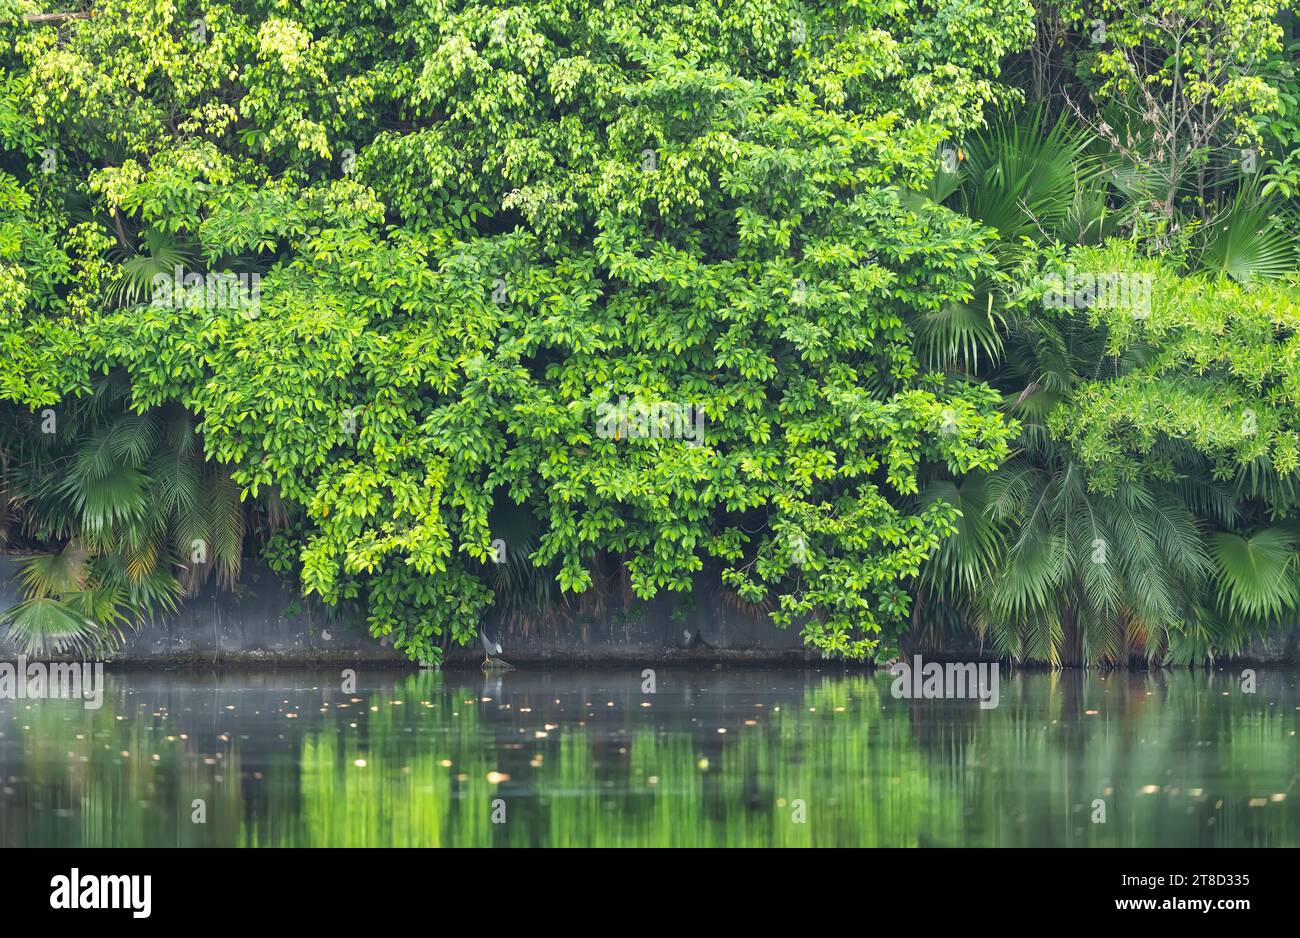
58,17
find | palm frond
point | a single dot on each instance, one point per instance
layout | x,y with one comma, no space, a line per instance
43,624
1256,573
1247,241
161,255
51,575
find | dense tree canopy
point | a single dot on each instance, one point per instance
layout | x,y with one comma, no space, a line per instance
474,224
401,261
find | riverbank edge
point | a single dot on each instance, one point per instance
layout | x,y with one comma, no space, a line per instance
693,660
267,625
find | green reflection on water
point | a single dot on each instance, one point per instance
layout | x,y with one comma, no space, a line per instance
560,759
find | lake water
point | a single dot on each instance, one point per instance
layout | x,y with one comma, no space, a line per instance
712,758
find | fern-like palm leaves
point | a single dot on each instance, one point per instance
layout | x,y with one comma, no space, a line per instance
142,519
1042,566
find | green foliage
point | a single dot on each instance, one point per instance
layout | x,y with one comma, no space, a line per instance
1281,130
1221,358
472,230
1247,240
477,225
1256,573
131,516
1121,526
1026,175
1175,87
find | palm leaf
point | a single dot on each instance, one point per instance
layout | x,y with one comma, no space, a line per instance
960,334
50,575
44,625
161,255
966,560
1021,176
1256,573
1248,242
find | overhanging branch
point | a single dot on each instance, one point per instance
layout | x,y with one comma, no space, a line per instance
58,17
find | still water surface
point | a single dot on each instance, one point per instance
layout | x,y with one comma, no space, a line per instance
730,758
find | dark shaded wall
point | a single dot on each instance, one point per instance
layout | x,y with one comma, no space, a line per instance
265,622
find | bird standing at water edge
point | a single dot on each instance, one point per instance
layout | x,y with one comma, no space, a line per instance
491,647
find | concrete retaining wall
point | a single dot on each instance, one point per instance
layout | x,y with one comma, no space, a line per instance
264,622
